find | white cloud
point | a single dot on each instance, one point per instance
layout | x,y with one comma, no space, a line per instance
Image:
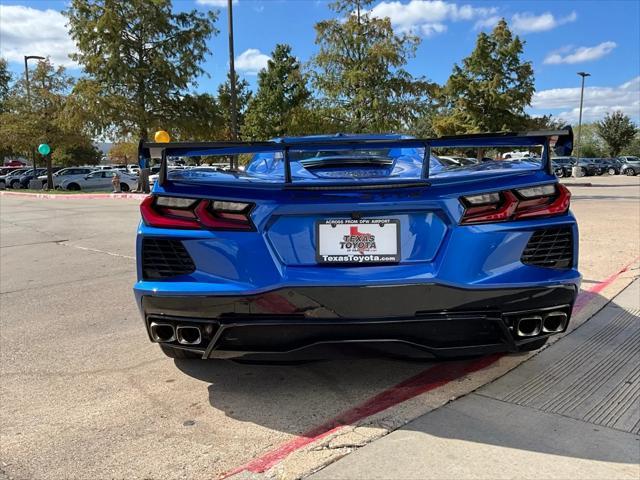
251,61
581,54
488,22
528,22
29,31
427,17
215,3
597,101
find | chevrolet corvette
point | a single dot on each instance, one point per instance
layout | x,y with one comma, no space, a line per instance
368,240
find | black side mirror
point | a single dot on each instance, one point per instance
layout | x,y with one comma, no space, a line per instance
564,145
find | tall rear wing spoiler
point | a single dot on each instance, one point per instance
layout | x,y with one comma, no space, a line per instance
560,140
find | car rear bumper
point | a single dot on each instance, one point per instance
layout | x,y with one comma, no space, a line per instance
438,319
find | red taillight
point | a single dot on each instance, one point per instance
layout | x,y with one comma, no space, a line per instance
546,206
544,201
171,212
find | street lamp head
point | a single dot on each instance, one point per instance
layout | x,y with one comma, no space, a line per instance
34,57
584,74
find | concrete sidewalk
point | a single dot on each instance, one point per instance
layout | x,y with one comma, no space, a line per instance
573,411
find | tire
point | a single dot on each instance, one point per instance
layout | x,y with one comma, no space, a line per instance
531,346
584,172
124,187
178,352
611,171
559,173
15,185
74,187
630,172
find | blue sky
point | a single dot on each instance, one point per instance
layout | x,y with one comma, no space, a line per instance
562,38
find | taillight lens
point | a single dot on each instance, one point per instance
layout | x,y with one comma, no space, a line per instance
530,202
191,213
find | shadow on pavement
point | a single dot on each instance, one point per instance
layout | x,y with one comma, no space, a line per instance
296,398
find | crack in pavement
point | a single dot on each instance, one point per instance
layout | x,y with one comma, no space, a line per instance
95,250
34,243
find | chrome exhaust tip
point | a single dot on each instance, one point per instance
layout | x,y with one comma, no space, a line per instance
162,332
529,326
554,322
188,335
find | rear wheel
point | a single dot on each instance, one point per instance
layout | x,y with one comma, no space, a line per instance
612,171
73,187
559,173
630,172
178,352
584,171
124,187
531,346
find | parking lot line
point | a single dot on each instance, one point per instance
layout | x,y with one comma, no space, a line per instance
430,379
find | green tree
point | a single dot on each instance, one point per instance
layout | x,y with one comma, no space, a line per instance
140,58
491,89
123,152
633,148
44,119
617,130
199,118
243,97
359,70
591,144
5,82
276,109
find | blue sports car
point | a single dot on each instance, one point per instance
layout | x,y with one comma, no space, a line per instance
347,239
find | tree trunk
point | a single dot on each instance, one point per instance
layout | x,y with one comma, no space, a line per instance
49,173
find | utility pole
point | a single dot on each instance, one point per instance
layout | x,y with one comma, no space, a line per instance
583,75
232,82
26,78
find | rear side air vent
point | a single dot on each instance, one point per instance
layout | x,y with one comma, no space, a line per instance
550,247
165,258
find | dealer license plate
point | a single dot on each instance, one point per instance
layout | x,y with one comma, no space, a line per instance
358,241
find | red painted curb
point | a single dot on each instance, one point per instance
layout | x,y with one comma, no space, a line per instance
430,379
76,196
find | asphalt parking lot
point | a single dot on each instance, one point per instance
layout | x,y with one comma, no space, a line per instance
85,395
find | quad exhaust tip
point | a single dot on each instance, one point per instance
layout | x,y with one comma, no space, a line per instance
529,326
554,322
162,332
188,335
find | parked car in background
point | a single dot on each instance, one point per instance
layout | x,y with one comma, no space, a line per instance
589,167
562,166
561,170
99,180
611,165
630,165
455,161
518,155
26,177
7,170
5,180
13,181
64,174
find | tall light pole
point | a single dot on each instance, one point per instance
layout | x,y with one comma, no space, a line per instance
232,73
26,78
583,75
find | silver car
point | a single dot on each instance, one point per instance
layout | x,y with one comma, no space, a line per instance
65,174
99,180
